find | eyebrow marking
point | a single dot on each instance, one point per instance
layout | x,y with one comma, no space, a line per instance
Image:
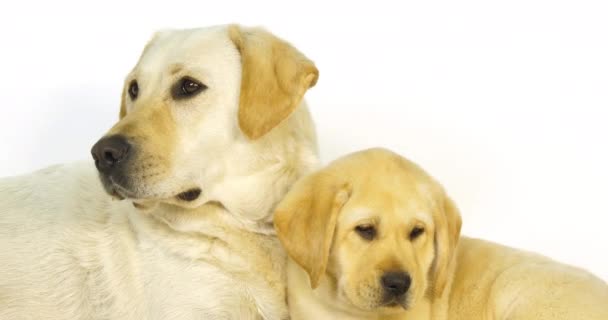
423,217
132,75
176,68
360,214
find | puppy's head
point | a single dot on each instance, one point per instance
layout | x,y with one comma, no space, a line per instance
194,99
375,226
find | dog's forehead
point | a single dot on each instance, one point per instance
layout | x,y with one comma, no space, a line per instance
398,205
186,48
386,186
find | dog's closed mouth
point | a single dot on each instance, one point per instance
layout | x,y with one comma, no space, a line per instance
116,195
397,304
116,190
145,205
190,195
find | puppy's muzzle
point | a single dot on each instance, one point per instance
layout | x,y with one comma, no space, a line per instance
110,154
395,284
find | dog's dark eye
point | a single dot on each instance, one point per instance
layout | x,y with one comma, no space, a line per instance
187,87
133,90
190,87
366,232
416,232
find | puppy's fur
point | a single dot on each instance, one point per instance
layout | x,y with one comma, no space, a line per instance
68,251
335,270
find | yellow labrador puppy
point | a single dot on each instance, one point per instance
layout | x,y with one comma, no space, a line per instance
212,132
372,236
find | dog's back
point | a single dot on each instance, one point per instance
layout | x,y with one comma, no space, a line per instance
496,282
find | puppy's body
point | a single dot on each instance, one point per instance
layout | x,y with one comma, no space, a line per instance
200,171
338,271
492,281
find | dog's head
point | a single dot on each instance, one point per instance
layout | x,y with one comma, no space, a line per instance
197,110
373,225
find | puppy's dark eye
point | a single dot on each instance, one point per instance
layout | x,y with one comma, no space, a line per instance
416,232
366,232
133,90
187,87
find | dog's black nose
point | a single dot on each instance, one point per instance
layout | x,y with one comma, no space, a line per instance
396,283
109,151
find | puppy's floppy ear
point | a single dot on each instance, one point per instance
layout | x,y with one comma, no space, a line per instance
306,220
447,232
274,78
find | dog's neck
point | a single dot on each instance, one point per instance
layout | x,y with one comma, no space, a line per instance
205,235
267,168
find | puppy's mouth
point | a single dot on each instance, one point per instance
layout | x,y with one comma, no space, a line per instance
397,303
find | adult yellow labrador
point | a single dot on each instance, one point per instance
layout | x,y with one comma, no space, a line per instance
212,132
373,236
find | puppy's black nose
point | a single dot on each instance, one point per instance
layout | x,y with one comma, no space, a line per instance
396,283
110,151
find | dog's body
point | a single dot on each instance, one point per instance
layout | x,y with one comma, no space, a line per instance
213,133
71,252
336,210
492,281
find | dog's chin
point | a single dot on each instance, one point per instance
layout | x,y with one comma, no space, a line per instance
145,205
385,306
111,188
397,305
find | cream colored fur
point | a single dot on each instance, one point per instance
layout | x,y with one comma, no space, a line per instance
69,251
483,280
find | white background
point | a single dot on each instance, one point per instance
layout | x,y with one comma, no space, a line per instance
505,102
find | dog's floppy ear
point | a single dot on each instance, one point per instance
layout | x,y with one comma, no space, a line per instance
447,232
305,221
274,78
